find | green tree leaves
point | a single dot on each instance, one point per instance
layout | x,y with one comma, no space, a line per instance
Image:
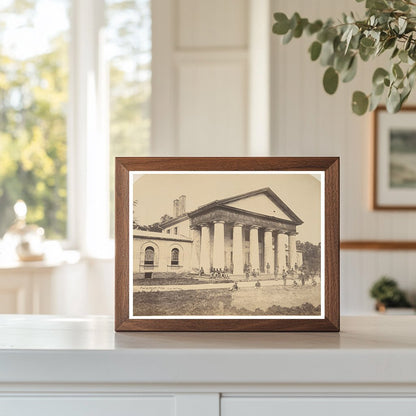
388,25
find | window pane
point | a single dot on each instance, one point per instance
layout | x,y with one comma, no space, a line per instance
33,100
149,255
129,51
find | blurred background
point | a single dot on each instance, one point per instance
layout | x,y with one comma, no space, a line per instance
83,81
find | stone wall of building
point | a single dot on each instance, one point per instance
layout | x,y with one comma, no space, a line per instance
162,256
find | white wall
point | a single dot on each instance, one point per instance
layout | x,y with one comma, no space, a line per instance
211,71
203,83
308,122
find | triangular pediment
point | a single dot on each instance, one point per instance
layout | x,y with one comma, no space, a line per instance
260,204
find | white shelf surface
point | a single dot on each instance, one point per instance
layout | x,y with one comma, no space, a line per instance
53,349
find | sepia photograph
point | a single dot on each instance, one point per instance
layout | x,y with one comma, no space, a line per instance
226,244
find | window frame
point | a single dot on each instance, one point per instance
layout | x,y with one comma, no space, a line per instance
87,132
176,261
148,262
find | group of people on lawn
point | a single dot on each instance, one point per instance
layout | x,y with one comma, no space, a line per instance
294,273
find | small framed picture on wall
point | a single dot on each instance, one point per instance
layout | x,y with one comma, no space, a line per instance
394,177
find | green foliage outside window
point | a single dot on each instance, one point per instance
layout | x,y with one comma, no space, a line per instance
34,104
33,99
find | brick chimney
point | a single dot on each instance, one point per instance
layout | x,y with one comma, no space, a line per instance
175,208
182,204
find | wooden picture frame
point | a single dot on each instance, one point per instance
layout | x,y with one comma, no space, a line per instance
394,144
267,220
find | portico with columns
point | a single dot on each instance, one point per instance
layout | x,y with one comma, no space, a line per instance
234,238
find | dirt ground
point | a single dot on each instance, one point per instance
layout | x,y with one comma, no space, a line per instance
266,300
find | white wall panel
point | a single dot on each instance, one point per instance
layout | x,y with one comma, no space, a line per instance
201,77
212,108
308,122
212,24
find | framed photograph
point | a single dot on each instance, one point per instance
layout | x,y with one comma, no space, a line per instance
394,176
227,244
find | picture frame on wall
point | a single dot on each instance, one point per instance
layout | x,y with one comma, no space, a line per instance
227,244
394,165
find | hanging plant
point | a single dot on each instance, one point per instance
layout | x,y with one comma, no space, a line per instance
389,27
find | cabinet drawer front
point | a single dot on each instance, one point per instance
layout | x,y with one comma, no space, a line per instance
87,406
273,406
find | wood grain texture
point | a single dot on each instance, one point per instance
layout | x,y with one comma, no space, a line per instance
376,204
378,245
328,164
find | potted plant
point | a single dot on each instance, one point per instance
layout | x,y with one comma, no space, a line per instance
389,27
387,294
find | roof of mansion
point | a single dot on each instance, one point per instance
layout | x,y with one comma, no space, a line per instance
223,203
159,236
291,217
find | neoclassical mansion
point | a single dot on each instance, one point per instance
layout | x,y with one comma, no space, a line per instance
256,229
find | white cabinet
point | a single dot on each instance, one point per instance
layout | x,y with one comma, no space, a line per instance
268,406
87,406
53,365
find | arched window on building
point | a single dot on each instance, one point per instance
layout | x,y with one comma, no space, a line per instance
174,257
149,256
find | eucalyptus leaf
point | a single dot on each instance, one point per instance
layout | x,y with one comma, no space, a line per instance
397,71
374,102
314,27
330,80
378,89
404,96
359,103
376,4
379,75
298,30
411,78
281,27
395,52
408,42
350,73
315,50
389,43
366,53
367,42
403,56
327,54
402,22
288,37
393,101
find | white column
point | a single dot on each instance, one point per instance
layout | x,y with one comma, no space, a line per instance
254,248
196,248
205,249
292,249
268,251
281,251
218,255
238,259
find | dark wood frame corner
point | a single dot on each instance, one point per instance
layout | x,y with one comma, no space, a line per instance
375,205
330,165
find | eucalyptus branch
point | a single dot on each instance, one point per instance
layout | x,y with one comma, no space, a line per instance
389,25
